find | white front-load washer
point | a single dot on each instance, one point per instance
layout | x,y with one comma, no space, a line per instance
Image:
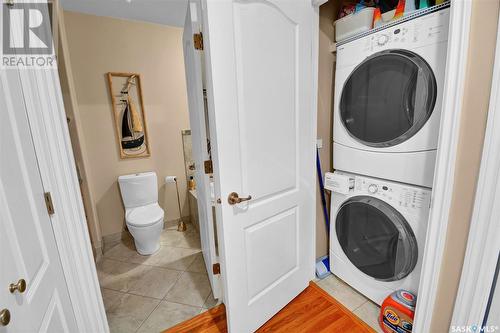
377,235
388,98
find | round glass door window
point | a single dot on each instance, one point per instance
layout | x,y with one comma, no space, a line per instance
388,98
376,238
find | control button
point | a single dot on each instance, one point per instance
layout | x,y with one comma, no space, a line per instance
373,188
397,31
385,188
382,39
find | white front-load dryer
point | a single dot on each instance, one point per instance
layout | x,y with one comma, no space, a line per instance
377,235
388,99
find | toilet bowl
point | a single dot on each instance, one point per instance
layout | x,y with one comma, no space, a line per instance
143,215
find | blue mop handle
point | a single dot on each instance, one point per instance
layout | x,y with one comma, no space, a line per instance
322,191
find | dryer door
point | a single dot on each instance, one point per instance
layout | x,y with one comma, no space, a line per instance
388,98
376,238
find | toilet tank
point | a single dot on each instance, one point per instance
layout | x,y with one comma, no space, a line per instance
138,189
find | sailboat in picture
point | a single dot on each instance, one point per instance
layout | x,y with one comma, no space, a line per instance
132,132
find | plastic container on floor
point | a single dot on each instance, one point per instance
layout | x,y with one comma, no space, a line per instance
397,312
353,24
322,267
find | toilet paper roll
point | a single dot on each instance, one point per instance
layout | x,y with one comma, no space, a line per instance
170,179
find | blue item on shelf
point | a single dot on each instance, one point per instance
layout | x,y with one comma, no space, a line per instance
359,6
409,7
423,4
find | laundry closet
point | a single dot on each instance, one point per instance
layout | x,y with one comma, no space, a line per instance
379,108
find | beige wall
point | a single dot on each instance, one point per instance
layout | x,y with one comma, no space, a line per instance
473,123
98,45
326,66
78,144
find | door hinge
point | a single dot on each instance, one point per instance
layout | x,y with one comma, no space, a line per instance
216,268
48,203
209,167
198,41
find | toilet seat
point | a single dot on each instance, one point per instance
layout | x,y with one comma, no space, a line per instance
144,216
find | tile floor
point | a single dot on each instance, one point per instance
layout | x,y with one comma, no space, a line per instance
153,293
361,306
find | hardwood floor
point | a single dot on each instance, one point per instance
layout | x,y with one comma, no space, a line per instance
312,311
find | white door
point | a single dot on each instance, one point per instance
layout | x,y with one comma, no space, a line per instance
259,60
194,70
27,245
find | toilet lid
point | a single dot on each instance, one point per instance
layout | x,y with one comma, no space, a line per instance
145,215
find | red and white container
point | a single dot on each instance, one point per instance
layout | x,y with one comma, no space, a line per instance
397,312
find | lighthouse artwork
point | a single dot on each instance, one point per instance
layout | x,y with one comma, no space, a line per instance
128,110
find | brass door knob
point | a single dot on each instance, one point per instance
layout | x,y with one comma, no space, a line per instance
20,286
4,317
234,199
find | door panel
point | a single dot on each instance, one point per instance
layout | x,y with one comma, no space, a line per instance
28,247
53,320
269,99
259,85
194,70
280,233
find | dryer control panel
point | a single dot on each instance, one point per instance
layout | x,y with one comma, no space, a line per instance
422,31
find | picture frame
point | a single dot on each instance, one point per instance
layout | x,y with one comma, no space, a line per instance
127,102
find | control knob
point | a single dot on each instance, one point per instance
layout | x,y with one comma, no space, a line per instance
372,188
382,39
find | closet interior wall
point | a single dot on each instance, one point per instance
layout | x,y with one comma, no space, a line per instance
326,67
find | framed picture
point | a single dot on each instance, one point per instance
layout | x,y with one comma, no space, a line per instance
130,118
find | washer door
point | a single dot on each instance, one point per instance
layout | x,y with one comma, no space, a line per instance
388,98
376,238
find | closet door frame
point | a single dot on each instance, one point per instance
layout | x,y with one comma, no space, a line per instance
446,162
478,278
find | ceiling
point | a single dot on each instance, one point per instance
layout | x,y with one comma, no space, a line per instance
167,12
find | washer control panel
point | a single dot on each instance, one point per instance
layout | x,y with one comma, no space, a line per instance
401,196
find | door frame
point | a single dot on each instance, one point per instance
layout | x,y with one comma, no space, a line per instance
443,184
198,123
49,130
482,246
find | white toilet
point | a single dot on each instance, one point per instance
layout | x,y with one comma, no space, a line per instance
143,215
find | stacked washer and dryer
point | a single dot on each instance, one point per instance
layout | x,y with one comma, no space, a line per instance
387,110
